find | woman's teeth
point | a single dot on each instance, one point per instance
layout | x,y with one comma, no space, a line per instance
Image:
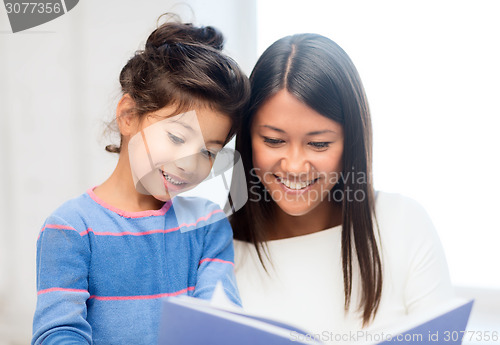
171,180
295,185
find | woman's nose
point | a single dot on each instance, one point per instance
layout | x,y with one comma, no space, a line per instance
295,162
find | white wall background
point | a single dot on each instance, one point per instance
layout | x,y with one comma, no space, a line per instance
58,86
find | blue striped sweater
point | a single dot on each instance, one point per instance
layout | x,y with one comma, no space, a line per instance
101,272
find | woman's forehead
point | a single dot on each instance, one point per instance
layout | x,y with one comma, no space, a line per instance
285,112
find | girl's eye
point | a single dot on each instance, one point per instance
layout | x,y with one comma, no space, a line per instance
320,145
208,154
175,139
273,141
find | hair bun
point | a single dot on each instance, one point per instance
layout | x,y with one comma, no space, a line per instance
211,36
176,33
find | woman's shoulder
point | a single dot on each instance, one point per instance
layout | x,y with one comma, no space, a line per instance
403,218
396,206
397,201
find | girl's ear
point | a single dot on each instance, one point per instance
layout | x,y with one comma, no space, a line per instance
125,115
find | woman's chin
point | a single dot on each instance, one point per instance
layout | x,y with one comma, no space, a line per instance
296,209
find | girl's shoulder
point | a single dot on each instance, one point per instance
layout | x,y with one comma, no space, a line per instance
72,214
194,205
196,211
77,205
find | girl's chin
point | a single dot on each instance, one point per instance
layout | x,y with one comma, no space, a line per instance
163,198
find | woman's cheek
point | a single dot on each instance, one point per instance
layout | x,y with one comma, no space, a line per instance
262,159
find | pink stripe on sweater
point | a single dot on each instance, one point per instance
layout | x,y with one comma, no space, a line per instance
60,289
149,232
83,233
63,227
125,233
216,260
55,226
141,297
201,218
127,214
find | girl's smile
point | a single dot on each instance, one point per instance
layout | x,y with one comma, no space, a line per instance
173,184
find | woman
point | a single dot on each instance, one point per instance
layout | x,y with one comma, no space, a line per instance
315,245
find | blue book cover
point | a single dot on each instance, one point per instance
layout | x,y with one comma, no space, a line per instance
186,322
189,321
448,327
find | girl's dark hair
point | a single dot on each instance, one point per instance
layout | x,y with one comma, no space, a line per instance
320,74
182,65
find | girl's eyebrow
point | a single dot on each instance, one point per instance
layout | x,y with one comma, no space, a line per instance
185,125
218,142
188,127
310,133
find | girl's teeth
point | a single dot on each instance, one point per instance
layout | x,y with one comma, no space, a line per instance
171,180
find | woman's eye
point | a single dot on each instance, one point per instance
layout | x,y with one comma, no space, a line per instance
175,139
273,141
320,145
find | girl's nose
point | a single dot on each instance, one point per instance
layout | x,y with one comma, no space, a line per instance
188,164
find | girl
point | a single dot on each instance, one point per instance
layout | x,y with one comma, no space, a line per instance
105,258
315,245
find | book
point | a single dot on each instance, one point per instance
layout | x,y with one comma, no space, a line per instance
446,325
190,321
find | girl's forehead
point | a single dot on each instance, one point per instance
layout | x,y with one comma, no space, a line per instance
205,124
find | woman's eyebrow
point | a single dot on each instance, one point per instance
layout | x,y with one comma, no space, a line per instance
321,132
273,128
310,133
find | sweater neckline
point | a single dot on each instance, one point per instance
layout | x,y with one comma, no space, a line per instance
127,214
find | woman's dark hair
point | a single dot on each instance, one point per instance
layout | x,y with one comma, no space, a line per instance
182,65
320,74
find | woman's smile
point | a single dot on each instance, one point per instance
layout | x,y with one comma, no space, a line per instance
295,185
297,153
